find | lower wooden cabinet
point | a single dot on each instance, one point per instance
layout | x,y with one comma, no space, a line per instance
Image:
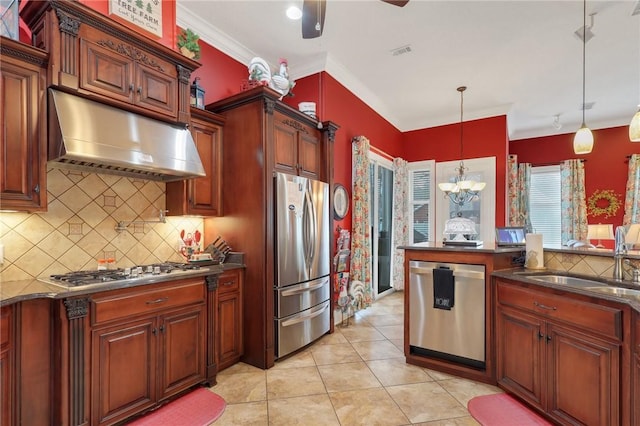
7,353
150,346
561,356
229,324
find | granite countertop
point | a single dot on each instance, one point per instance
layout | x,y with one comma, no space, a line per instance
439,246
17,291
525,275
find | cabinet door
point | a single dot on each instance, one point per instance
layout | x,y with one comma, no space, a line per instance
106,72
285,147
309,155
201,196
205,194
123,370
6,366
229,332
156,90
23,140
583,378
519,352
182,361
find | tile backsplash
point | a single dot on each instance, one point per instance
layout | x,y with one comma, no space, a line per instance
79,226
584,264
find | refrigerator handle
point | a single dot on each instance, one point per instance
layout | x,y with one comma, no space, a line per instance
313,229
307,224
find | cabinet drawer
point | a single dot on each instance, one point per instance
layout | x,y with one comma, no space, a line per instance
228,282
601,319
113,306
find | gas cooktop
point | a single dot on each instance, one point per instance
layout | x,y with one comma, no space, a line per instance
133,274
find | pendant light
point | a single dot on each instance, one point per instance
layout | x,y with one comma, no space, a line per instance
461,191
583,139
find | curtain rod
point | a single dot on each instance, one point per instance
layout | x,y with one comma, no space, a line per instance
380,152
582,160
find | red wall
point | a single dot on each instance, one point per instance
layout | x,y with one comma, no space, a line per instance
336,103
482,138
606,167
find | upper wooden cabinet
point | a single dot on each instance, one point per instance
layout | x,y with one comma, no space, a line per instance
105,71
296,147
99,57
23,143
201,196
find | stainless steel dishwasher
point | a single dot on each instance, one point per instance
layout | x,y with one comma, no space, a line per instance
457,334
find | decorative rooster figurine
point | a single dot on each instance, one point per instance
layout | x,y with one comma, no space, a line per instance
280,81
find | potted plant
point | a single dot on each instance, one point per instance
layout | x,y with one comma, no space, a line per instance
188,44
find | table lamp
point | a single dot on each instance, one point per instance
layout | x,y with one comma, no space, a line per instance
600,232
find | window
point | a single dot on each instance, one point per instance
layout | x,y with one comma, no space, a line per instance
544,204
421,187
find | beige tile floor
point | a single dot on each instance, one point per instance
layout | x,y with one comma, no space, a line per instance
355,376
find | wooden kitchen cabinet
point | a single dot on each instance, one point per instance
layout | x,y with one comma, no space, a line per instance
229,330
23,146
560,355
147,345
110,62
201,196
263,135
296,147
108,70
7,368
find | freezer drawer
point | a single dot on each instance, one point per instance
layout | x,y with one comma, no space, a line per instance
298,330
457,334
295,298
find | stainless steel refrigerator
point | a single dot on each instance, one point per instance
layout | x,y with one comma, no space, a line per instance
303,265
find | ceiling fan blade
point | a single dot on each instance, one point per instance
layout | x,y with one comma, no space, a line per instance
313,18
400,3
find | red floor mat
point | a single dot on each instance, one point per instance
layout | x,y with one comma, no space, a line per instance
198,408
503,410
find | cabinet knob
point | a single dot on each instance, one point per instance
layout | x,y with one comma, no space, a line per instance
131,87
540,335
162,328
139,89
37,189
154,331
548,338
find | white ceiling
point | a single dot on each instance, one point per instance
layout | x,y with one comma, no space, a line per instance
519,58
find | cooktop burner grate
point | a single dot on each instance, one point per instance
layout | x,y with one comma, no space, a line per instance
78,278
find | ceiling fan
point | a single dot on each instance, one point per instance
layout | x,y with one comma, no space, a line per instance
313,16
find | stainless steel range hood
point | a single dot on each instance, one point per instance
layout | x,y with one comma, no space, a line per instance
91,136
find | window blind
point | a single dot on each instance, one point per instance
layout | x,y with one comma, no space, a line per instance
544,203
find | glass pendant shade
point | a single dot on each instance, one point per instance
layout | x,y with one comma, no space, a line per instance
583,140
634,127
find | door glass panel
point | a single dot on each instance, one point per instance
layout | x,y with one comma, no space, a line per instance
384,220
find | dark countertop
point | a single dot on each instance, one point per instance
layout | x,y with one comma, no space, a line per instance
485,248
18,291
524,275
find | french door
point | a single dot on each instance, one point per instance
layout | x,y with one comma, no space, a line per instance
381,208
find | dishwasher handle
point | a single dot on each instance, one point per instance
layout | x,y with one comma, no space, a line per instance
456,273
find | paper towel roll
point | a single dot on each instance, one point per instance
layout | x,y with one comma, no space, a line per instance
534,252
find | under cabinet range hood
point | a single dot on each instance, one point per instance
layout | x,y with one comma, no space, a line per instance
91,136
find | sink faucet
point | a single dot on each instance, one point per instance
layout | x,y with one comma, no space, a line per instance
618,254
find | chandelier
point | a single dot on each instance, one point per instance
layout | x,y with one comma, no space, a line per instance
462,190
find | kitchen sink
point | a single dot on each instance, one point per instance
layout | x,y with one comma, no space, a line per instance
565,280
616,291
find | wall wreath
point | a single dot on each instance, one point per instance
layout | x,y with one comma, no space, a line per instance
603,202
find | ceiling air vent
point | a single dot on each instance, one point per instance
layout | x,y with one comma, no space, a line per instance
401,50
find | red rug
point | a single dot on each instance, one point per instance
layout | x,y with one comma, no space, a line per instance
503,410
198,408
